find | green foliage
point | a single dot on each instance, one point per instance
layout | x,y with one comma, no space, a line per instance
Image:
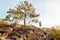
2,23
34,20
55,33
15,14
31,26
22,11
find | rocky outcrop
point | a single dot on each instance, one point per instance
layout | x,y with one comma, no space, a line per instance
5,31
26,33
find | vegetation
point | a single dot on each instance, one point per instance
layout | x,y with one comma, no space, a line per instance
23,11
55,34
3,22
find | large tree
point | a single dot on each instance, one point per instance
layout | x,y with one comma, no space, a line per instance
23,11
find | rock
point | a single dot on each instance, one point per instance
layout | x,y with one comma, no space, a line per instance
5,31
20,32
28,34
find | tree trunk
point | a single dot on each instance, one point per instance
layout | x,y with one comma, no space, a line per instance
25,19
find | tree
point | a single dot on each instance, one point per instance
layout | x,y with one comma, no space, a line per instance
22,12
35,21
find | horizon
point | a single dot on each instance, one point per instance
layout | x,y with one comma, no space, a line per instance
49,10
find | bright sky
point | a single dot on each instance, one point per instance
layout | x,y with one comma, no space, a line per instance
49,10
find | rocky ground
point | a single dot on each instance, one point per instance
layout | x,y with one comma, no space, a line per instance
24,33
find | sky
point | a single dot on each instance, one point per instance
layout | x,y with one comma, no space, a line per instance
49,10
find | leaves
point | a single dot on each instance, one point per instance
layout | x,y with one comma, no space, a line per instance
33,15
13,11
34,20
22,11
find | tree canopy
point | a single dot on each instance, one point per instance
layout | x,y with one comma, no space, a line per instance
23,11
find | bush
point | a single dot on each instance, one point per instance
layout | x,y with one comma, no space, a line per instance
55,34
3,23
